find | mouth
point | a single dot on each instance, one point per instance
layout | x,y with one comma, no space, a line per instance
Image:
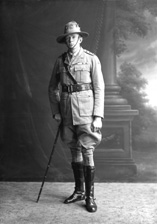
70,44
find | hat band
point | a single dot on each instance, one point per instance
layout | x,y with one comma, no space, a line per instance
70,30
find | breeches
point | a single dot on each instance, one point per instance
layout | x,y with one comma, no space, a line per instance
81,141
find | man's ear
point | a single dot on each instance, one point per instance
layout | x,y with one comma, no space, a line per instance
81,39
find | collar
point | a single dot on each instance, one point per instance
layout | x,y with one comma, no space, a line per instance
76,58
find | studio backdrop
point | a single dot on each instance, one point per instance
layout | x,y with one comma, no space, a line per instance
28,52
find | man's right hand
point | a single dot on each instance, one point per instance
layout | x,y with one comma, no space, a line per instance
58,117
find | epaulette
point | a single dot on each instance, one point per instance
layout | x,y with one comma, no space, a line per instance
88,52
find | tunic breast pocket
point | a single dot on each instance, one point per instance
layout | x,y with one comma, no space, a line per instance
86,103
83,73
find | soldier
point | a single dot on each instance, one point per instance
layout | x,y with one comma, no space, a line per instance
76,94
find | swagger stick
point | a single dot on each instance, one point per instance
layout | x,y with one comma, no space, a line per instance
48,165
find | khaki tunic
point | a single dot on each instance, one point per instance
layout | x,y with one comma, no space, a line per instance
78,107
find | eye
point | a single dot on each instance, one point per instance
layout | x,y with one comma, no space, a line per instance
67,38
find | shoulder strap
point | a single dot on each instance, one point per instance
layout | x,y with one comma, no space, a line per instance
88,52
67,70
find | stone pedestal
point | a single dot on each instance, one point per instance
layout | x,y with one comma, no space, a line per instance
113,157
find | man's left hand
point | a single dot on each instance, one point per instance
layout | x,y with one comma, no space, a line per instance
97,124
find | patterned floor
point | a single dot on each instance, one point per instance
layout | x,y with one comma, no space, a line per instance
118,203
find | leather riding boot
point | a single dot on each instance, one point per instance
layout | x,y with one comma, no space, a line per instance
89,172
78,193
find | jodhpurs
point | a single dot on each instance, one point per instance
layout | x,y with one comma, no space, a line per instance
82,142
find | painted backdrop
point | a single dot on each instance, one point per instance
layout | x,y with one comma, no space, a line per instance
28,52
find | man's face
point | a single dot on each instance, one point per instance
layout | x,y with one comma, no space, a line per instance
72,40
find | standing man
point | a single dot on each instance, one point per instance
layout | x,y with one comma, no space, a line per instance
76,94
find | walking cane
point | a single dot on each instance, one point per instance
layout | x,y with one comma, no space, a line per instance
48,165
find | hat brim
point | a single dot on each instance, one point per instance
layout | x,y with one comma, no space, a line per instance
61,38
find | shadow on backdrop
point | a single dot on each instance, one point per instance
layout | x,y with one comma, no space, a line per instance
28,52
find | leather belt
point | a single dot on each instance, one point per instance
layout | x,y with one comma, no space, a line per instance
76,87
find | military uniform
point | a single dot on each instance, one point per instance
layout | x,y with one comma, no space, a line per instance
76,91
78,108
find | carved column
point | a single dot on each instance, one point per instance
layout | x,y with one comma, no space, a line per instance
114,155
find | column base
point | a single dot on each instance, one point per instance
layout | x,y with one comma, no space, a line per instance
113,157
115,169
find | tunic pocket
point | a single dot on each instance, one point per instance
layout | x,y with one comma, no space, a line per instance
85,103
83,71
82,67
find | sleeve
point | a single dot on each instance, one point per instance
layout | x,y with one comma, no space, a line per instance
53,89
98,87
